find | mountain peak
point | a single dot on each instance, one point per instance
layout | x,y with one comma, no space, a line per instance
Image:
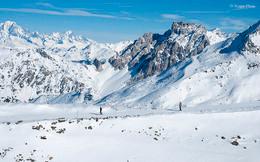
154,53
255,27
10,27
183,27
8,23
216,36
249,40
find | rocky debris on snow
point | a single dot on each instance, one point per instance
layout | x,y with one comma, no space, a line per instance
89,127
61,130
43,137
54,123
60,120
50,157
253,65
18,122
19,158
38,127
235,143
156,134
4,151
31,157
30,160
53,127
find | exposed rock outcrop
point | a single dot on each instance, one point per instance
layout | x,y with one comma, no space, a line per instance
154,53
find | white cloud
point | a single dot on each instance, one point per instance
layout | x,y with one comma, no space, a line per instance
64,12
233,24
172,16
44,4
204,12
242,7
49,9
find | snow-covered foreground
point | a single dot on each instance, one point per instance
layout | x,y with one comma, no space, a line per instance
199,135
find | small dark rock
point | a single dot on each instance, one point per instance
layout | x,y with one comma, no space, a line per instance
43,137
18,122
60,120
53,123
30,159
61,131
38,127
53,127
235,143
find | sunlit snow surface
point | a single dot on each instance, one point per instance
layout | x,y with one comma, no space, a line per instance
140,121
203,133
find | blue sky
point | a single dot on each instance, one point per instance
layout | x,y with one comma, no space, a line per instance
116,20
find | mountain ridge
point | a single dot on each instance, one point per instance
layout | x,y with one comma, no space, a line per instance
175,66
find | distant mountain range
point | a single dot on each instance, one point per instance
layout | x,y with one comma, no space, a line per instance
187,63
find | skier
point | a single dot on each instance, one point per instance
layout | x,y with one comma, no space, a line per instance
100,110
180,105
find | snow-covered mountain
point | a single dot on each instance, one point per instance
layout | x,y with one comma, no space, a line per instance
216,36
213,76
39,67
247,41
187,63
154,53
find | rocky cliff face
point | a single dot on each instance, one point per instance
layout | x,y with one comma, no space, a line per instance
154,53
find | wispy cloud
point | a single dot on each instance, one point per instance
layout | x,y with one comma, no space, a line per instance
119,4
49,9
204,12
172,17
65,12
242,6
233,24
44,4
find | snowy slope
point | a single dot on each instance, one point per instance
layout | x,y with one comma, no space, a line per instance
185,64
211,137
66,78
216,36
204,79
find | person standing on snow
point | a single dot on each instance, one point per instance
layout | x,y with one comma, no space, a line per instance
100,110
180,106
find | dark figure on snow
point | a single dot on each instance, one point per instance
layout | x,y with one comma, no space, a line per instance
100,110
180,105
